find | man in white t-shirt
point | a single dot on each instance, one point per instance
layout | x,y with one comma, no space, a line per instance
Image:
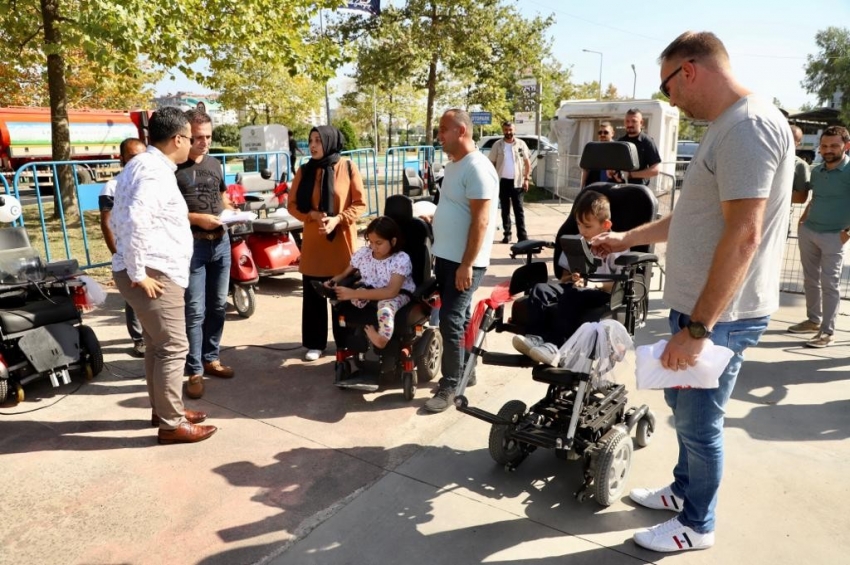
464,224
511,158
725,241
129,148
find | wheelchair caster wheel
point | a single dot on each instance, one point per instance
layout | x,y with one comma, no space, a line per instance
643,433
408,381
504,449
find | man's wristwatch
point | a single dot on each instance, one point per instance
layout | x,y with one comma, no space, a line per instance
698,330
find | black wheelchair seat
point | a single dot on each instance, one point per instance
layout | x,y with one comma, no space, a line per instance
38,313
555,376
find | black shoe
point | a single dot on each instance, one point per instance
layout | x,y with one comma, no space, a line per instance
138,349
441,401
506,239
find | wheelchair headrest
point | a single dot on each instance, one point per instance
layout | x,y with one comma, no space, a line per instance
400,208
604,155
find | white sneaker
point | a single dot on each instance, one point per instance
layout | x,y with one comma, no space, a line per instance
312,354
672,535
524,343
658,499
547,353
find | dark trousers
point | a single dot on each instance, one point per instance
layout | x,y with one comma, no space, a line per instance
314,318
134,326
509,196
555,311
454,317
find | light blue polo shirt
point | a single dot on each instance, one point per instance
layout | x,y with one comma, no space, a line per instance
830,209
471,178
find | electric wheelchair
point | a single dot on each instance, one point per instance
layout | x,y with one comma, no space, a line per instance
415,350
580,417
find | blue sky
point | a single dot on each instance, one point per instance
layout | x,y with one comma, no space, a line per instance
767,41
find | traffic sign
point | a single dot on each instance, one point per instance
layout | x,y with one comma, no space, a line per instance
481,118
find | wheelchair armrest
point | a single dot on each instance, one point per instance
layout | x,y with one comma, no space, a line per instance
529,247
634,258
426,289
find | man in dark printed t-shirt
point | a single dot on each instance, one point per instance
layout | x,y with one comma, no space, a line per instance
201,181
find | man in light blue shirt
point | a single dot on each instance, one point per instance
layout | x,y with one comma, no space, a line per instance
464,227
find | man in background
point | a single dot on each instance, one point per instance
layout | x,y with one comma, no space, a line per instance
129,148
646,149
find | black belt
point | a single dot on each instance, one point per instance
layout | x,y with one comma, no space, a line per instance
209,235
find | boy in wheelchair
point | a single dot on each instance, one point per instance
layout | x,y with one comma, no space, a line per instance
385,276
556,310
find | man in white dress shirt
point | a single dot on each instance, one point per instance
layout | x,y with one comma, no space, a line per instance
151,269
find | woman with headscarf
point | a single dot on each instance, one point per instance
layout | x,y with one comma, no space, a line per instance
327,195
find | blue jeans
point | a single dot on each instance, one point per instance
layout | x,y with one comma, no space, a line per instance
698,417
454,316
206,301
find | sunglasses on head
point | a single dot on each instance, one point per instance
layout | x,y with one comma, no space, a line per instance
663,87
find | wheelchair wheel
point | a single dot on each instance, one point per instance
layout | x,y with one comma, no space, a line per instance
409,381
503,449
613,463
428,354
93,354
643,432
342,371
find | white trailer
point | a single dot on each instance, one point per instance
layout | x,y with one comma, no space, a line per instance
271,139
577,122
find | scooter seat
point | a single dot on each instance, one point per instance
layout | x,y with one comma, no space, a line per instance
38,313
277,225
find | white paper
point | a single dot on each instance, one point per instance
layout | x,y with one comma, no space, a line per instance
228,217
704,374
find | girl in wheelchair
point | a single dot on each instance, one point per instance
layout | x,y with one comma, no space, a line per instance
385,276
556,310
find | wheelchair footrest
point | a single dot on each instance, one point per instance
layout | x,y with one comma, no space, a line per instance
555,376
488,417
365,383
507,359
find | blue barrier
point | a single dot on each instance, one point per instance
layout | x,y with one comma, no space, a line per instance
275,161
367,162
413,156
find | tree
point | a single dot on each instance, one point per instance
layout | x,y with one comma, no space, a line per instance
484,44
117,36
349,133
828,72
227,135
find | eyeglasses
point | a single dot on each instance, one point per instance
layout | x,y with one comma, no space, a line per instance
603,132
663,87
191,139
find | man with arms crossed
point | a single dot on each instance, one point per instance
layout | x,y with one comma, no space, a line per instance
725,241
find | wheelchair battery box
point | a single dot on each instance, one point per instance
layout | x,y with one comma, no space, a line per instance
51,347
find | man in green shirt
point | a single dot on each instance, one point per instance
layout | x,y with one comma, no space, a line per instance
823,230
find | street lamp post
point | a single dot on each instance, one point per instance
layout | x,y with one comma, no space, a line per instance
634,85
600,69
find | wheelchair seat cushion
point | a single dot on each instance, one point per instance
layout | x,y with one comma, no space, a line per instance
38,313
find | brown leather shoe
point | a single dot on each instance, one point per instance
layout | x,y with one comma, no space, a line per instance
195,386
194,417
216,369
186,433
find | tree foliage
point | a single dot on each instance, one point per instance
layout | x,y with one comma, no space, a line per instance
481,45
116,37
828,72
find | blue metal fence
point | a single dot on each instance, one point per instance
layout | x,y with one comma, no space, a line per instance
36,180
397,159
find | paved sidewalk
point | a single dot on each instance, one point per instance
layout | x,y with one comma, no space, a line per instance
301,472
